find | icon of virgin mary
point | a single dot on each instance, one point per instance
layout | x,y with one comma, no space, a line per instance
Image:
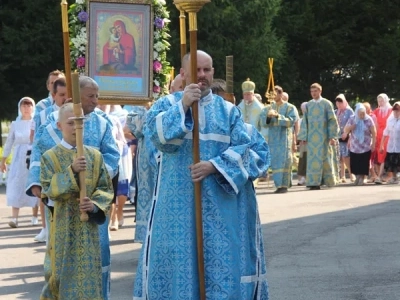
119,53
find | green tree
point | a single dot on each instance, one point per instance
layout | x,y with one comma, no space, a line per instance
347,46
239,28
30,47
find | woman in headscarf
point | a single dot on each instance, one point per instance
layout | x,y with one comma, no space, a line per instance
343,114
372,170
362,141
19,138
382,113
391,137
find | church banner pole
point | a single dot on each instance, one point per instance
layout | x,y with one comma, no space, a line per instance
229,95
192,7
78,119
182,26
67,53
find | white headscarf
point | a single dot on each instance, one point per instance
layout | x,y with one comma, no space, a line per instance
387,105
19,107
360,126
395,104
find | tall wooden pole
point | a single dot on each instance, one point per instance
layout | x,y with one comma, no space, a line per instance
192,7
67,54
78,112
229,95
182,26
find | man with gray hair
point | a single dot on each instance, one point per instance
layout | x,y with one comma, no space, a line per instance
97,133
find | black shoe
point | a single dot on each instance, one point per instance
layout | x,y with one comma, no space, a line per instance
281,191
314,188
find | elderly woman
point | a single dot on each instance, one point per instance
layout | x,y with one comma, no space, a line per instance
382,114
343,114
391,136
372,170
362,141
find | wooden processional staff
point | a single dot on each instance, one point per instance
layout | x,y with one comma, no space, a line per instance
67,53
182,27
192,7
270,93
72,81
229,95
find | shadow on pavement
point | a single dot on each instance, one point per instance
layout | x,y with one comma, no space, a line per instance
343,255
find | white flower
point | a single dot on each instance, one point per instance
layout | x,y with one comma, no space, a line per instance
159,46
155,54
80,1
155,95
160,2
165,35
156,35
156,82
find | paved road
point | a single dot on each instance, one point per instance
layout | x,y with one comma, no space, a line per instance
334,244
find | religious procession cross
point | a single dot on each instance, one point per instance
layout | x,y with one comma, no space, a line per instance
270,93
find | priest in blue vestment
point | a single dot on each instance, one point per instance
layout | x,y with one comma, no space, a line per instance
147,163
233,250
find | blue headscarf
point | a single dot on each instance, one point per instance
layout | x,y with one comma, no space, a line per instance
360,126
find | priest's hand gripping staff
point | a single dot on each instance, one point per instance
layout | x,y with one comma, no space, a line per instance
78,119
192,7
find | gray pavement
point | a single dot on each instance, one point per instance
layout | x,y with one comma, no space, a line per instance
334,244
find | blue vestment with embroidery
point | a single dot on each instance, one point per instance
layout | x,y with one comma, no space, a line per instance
146,170
234,264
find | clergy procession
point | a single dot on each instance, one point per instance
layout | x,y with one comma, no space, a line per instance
187,154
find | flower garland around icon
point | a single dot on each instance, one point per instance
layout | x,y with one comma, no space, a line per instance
78,18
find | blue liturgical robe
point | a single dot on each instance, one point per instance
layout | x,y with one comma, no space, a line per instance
280,140
146,170
43,104
234,264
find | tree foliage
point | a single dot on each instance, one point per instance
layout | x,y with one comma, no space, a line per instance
348,46
238,28
30,47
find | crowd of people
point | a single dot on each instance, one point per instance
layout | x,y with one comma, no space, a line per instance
144,153
325,142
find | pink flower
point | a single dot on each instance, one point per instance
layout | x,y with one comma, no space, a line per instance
156,89
80,62
157,66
